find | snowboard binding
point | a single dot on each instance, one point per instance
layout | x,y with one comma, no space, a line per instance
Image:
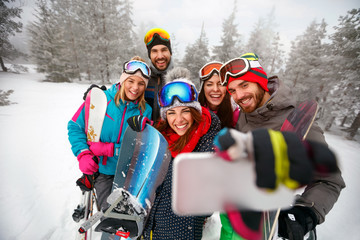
124,217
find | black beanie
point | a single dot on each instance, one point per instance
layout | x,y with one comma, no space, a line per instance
157,40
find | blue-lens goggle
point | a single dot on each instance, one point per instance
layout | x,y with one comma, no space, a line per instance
183,91
132,66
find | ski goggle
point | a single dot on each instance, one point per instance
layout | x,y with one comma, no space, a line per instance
183,91
149,37
132,66
209,69
234,68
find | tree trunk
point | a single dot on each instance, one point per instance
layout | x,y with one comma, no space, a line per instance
3,65
354,127
343,121
329,124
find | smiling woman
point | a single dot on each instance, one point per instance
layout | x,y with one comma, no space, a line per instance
123,100
187,127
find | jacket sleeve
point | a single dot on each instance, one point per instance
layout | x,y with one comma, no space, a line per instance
322,193
76,131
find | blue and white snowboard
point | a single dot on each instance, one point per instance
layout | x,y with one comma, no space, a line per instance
143,163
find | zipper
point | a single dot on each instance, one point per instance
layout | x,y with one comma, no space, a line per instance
122,122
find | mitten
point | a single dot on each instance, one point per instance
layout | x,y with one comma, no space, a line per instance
87,162
138,122
92,86
296,222
101,148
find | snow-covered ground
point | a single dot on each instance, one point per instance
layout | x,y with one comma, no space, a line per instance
38,170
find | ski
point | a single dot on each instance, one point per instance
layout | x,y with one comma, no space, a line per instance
95,109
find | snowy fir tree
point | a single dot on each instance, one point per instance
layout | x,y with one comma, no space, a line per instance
343,101
47,44
306,59
140,46
8,28
196,55
231,45
91,38
276,56
265,42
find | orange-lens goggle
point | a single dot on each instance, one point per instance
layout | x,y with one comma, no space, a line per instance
150,35
209,69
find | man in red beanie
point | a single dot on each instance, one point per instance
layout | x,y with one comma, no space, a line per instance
265,103
249,90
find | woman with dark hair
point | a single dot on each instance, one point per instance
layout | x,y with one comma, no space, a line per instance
187,127
215,97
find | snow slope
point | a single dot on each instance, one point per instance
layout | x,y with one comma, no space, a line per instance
38,192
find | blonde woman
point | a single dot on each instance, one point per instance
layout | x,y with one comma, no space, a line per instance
124,100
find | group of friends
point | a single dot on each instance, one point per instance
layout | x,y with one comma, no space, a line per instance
237,95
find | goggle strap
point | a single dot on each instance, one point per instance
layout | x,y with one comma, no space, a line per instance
133,72
208,76
152,39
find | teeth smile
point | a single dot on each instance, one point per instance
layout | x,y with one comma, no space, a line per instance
181,126
245,101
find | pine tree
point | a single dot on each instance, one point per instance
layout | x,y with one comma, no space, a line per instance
276,57
196,55
231,45
47,44
304,68
345,61
75,37
265,42
8,27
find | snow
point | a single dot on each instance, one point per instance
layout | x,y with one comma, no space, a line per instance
38,191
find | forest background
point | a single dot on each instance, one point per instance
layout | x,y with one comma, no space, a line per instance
88,41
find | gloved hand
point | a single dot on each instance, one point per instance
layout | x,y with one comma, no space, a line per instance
138,122
296,222
87,162
86,182
233,145
92,86
101,148
267,149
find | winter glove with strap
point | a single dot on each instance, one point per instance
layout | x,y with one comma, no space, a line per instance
87,162
138,122
92,86
296,222
280,158
101,148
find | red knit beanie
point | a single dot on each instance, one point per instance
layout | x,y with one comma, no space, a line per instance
255,74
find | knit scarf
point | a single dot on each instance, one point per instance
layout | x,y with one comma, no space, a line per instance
196,134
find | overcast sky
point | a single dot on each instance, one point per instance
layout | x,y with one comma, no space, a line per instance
184,18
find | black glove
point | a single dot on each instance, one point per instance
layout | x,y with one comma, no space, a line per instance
92,86
296,222
138,122
86,182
